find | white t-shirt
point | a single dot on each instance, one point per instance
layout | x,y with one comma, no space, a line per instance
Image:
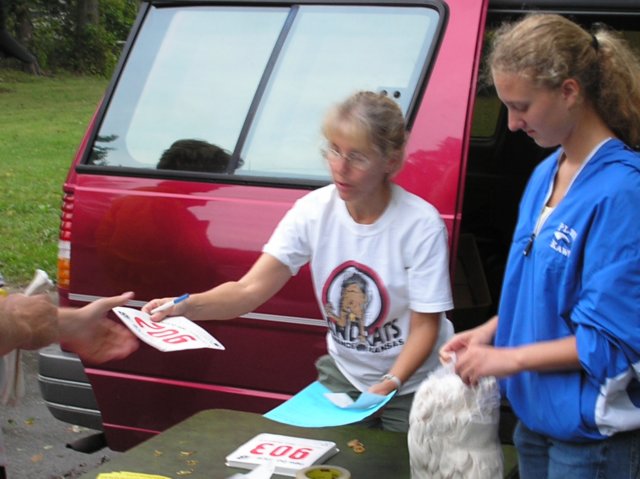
368,278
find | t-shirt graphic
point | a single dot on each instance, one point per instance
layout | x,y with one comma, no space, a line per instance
355,305
370,278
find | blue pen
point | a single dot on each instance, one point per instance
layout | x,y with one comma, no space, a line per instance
170,304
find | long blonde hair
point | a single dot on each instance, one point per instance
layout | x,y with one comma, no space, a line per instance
547,49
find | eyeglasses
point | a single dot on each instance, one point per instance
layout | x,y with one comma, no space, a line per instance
354,159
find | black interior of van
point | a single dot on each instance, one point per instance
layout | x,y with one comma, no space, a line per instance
500,162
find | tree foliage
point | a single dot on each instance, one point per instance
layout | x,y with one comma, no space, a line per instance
84,36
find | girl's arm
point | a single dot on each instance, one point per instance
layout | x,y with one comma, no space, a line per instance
480,360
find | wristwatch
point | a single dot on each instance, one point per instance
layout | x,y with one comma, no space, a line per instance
393,378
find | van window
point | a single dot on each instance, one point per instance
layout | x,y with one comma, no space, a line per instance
330,53
243,91
486,112
191,76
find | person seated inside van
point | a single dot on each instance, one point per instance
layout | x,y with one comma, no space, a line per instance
194,155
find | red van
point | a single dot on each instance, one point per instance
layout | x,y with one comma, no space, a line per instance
210,130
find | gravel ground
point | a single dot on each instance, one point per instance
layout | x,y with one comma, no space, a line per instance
36,442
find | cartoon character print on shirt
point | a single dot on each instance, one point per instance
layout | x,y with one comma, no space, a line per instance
356,304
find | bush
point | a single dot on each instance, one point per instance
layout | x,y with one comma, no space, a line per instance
97,54
59,45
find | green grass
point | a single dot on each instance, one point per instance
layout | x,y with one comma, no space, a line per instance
42,121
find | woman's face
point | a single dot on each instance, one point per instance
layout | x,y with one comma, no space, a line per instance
354,181
543,114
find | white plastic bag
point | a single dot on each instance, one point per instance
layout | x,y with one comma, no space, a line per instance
453,428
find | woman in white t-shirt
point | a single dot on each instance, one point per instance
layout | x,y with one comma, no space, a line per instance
378,257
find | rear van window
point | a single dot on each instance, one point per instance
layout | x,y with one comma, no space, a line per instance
242,91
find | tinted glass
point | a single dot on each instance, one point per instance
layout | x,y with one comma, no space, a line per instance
330,53
191,76
184,98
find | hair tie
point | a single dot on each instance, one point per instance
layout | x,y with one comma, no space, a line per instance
594,42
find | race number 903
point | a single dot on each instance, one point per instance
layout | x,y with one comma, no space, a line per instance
281,450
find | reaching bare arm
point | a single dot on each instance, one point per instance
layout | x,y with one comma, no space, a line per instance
230,300
27,322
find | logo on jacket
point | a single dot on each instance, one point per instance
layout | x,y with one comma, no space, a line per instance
355,306
563,238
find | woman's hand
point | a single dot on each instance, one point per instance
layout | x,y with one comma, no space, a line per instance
383,388
175,310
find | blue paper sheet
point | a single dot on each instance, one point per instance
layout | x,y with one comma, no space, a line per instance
311,408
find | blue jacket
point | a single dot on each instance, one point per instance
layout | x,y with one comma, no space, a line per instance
581,277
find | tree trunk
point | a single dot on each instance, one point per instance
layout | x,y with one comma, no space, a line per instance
24,27
12,48
87,13
3,16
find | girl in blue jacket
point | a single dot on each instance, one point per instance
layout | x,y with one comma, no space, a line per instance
566,340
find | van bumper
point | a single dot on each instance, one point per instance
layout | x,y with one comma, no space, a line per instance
65,388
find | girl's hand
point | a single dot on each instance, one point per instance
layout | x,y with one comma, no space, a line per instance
459,343
480,360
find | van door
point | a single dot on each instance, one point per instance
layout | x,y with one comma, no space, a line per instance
209,131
